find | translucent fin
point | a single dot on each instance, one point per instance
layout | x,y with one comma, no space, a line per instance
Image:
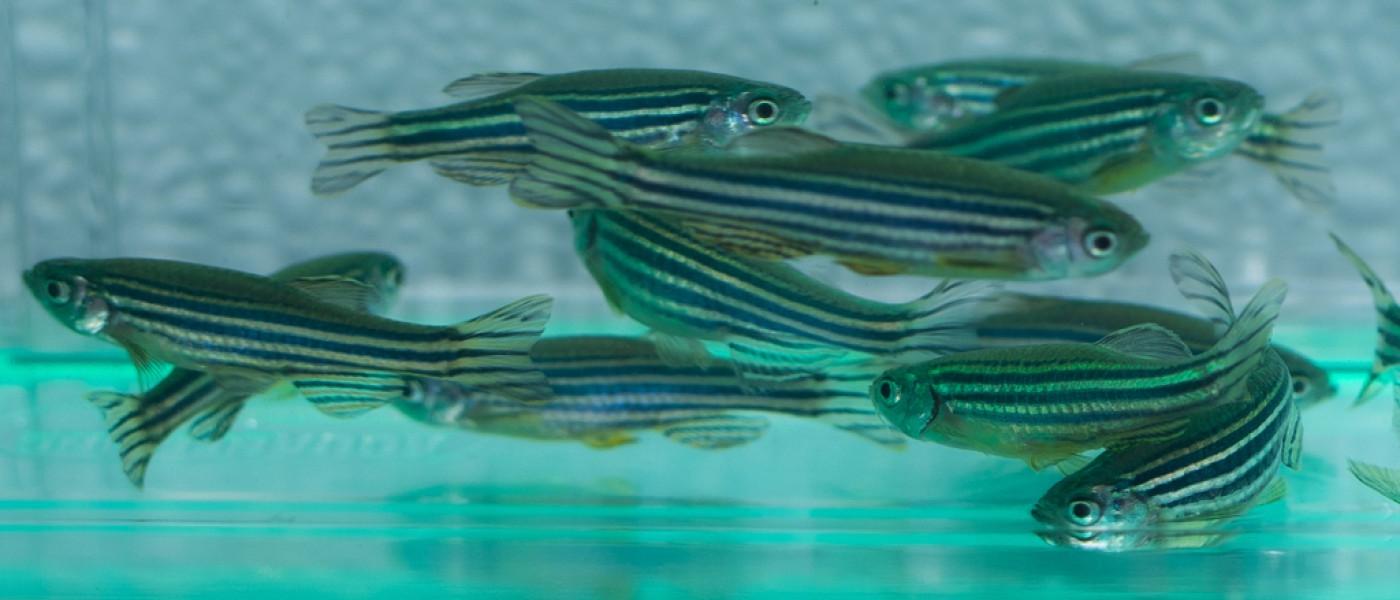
752,243
944,320
850,121
761,369
127,426
1199,281
1276,491
872,267
1073,464
1247,341
1290,145
604,441
212,424
497,346
354,144
482,85
1148,340
1385,304
1383,480
484,169
148,369
677,351
718,432
575,159
1293,444
780,141
1175,62
350,294
344,396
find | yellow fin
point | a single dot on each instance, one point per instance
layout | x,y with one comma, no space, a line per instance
745,241
1122,174
872,267
606,440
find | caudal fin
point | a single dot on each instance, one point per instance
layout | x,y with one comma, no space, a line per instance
575,164
127,425
495,350
1246,340
1290,145
355,146
1385,305
944,320
1383,480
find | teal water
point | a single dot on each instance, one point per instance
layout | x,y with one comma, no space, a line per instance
294,503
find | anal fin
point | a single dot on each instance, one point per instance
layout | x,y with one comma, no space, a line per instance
717,432
214,422
349,395
482,169
607,440
746,241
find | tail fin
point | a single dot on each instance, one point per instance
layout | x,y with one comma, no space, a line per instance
127,426
1290,144
1199,281
944,320
355,145
1383,480
496,349
1246,341
1385,305
575,162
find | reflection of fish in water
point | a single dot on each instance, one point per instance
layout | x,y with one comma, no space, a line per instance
606,389
138,423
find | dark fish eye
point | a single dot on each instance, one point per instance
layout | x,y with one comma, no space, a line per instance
396,276
1300,386
57,291
1209,111
763,111
897,91
1084,512
887,392
1100,242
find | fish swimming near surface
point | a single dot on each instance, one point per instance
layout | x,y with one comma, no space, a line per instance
138,423
1111,130
480,141
249,332
606,390
785,193
1179,492
654,271
1018,319
1046,403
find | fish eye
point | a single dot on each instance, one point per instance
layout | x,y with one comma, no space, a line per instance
897,91
887,392
1100,243
57,291
763,111
1084,512
1301,386
396,276
1209,111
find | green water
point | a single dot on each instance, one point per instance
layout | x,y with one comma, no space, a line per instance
294,503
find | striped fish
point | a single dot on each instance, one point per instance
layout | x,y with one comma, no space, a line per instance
1387,324
249,332
479,140
1025,319
138,423
1156,495
607,389
929,99
656,272
1046,403
783,193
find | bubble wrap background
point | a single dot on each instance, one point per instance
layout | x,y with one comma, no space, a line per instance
173,129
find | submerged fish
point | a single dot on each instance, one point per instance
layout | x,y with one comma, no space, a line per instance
138,423
784,193
607,389
1024,319
654,271
1157,495
480,141
1045,403
1385,482
249,332
1387,324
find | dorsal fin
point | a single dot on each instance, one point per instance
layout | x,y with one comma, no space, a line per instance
344,292
1202,285
1176,62
1147,340
482,85
780,141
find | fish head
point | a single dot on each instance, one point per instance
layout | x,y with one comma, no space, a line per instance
1094,238
1206,119
64,288
1107,517
753,107
912,101
906,401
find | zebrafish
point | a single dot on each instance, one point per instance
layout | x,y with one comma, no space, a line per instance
1048,402
249,332
1384,481
1024,319
1161,494
657,273
138,423
479,140
1387,324
783,193
607,389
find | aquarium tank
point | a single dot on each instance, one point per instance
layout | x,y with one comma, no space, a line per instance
792,298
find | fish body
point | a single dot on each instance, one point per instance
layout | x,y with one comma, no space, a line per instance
1045,403
1025,319
783,193
249,332
138,423
480,140
659,274
605,390
1150,495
